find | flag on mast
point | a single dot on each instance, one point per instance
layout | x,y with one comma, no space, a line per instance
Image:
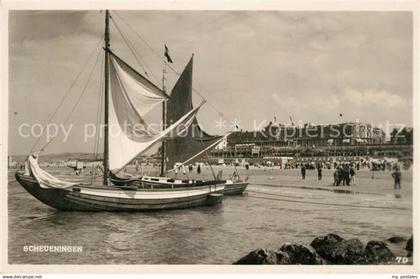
168,57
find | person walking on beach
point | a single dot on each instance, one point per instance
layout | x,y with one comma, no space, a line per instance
319,168
346,180
340,176
336,177
352,176
303,171
396,174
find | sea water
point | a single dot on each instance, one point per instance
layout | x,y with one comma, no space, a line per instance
278,207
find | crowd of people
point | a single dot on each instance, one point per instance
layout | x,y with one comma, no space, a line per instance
344,175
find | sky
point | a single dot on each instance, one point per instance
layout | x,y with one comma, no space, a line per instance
249,65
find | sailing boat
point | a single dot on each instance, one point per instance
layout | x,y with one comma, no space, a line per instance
183,150
132,96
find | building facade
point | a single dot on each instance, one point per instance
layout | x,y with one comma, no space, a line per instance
308,135
343,139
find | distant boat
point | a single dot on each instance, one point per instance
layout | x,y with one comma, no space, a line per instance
128,97
235,187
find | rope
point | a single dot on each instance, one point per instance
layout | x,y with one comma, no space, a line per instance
138,57
67,93
98,120
163,59
78,100
211,168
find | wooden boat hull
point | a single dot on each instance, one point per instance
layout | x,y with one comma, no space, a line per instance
149,182
108,198
235,188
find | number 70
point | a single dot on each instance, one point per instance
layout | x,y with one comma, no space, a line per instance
403,260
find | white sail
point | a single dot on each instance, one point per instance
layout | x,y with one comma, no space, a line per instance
141,94
129,135
122,149
45,179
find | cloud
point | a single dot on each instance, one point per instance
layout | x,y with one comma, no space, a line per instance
366,105
40,25
249,65
373,97
309,104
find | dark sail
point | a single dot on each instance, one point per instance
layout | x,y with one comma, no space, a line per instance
181,149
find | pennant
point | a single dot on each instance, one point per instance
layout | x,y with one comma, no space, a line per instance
168,58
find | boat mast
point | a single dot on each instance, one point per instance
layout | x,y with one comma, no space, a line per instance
106,138
163,147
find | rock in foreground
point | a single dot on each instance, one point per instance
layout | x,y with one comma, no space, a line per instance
377,252
287,254
396,239
299,254
337,250
409,246
259,256
328,249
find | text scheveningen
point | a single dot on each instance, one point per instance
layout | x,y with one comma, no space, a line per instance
52,249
